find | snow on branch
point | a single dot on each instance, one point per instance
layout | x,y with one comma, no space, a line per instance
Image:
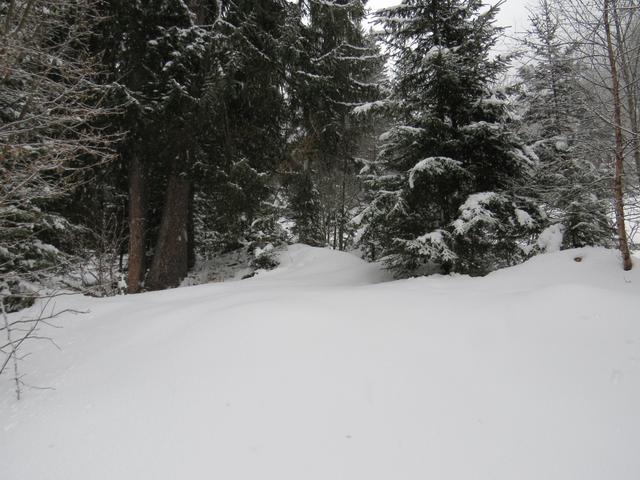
434,166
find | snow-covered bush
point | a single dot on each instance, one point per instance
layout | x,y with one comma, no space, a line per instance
493,232
265,258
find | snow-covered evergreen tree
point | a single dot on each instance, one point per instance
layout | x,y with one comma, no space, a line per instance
243,137
555,121
443,192
333,69
156,52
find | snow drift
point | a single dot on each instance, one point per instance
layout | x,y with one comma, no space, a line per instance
322,370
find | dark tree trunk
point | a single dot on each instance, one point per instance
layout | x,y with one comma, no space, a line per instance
137,221
191,255
171,256
343,200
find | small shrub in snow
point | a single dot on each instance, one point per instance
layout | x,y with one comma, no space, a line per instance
493,232
265,258
265,261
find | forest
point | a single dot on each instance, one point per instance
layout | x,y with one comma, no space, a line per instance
140,139
318,240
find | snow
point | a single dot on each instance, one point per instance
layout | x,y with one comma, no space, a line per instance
435,166
476,202
530,153
366,108
268,248
474,210
45,247
324,369
482,126
432,245
437,51
432,237
226,267
562,146
550,240
523,218
493,101
400,130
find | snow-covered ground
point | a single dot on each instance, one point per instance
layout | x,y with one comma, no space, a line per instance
323,370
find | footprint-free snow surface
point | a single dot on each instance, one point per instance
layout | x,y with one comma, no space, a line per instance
323,369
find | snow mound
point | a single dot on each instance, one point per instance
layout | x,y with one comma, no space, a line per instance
316,370
307,266
587,267
594,267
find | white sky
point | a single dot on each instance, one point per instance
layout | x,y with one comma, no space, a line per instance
513,13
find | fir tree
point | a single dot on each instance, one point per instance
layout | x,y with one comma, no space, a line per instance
556,123
334,64
443,192
244,116
155,51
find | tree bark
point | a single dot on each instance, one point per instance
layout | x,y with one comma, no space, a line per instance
137,221
618,192
343,207
171,258
191,237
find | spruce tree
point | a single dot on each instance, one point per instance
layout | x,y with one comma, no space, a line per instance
155,53
243,138
333,63
443,192
555,121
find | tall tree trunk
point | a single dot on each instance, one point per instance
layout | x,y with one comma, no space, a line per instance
619,148
137,221
191,237
343,201
171,256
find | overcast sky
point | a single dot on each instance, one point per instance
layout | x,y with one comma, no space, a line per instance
513,13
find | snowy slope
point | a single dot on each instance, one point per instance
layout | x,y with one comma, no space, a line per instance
321,370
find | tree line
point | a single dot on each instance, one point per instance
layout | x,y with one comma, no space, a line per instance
138,136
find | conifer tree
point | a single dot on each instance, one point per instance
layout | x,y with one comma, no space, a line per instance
443,192
156,54
243,125
557,125
333,63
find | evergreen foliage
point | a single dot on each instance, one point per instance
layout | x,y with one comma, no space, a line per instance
444,191
336,67
305,209
556,121
243,123
184,127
